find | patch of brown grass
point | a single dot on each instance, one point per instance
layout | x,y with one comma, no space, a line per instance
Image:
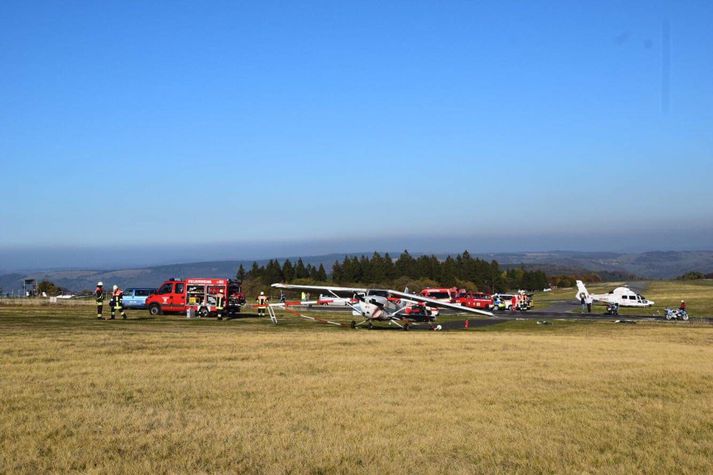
244,396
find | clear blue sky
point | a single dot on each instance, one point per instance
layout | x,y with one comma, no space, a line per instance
172,123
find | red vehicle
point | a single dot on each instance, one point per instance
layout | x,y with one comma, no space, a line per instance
421,310
444,295
202,294
475,300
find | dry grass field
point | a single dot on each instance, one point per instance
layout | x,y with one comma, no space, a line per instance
168,395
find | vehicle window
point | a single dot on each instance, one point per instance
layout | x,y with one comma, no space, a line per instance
142,292
165,289
438,295
179,288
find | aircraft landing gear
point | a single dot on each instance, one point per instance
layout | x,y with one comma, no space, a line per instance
369,325
353,324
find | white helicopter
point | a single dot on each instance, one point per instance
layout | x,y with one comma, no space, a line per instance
385,305
623,296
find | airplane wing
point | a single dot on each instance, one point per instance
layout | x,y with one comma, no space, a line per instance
418,298
345,290
437,303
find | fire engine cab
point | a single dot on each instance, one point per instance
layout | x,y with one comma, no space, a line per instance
201,294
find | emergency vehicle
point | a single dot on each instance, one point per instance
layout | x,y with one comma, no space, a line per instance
201,294
442,295
521,301
475,300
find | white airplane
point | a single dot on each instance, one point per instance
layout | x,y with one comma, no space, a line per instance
623,296
384,305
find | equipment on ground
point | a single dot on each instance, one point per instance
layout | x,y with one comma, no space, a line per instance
613,309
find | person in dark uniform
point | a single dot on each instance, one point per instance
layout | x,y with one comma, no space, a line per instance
117,302
99,297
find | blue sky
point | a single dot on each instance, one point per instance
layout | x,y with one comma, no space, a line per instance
529,125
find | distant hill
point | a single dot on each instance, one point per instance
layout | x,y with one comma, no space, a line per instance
649,265
153,276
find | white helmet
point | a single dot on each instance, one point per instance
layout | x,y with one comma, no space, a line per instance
115,287
100,284
262,293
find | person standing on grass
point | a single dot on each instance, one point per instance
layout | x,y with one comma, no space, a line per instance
117,302
583,302
99,297
589,300
262,301
219,305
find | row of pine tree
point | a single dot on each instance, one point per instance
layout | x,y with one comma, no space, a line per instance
462,271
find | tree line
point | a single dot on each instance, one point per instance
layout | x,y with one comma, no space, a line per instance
462,271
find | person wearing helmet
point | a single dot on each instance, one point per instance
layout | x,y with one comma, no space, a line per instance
99,297
682,307
220,305
262,302
117,302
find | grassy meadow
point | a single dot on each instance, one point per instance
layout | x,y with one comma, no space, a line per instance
169,395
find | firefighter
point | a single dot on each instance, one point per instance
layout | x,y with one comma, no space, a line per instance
117,302
219,305
262,301
99,297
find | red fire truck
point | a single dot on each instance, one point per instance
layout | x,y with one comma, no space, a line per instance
475,300
179,295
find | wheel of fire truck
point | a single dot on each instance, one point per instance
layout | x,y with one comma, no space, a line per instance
203,312
155,309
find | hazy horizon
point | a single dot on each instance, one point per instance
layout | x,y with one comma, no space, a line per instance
30,258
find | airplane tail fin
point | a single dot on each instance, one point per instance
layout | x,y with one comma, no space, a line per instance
581,290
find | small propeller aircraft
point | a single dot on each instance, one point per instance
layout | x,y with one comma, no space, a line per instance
623,296
384,305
